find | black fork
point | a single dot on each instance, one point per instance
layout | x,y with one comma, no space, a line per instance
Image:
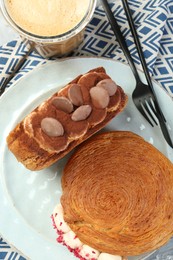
143,95
139,99
144,101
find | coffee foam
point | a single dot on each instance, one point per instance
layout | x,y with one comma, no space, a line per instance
48,17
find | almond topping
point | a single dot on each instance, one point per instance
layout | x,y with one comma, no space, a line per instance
52,127
75,94
81,113
109,85
100,97
63,104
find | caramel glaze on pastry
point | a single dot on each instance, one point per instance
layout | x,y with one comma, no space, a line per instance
66,119
118,193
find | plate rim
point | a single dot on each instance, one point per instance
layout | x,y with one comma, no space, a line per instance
48,62
41,66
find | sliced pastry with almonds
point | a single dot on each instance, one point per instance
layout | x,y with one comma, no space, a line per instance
66,119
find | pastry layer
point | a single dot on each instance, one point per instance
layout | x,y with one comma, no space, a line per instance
117,194
54,128
68,238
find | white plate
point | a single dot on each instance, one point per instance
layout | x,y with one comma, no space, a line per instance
28,198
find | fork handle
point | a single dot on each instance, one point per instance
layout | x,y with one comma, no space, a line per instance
120,38
140,52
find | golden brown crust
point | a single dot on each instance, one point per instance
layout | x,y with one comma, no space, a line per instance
36,150
118,193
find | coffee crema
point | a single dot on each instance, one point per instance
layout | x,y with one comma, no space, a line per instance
48,17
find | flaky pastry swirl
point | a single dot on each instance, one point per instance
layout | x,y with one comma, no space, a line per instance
118,193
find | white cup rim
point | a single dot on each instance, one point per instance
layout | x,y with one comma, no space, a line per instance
50,39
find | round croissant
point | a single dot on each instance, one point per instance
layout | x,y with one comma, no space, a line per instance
118,194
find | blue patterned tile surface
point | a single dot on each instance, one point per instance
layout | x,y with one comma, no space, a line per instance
154,23
8,253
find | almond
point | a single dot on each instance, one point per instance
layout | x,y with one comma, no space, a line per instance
75,94
99,97
63,104
52,127
109,85
81,113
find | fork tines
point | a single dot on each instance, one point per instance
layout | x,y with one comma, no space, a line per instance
149,109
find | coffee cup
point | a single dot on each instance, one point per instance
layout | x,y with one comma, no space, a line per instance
55,27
